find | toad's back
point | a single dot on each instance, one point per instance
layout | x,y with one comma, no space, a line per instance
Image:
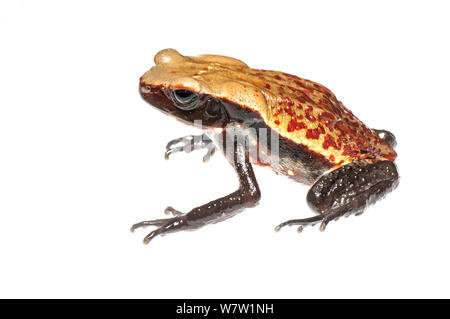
302,111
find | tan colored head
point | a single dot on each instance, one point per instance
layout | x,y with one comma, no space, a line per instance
203,76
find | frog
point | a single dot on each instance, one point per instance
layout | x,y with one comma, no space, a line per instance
298,127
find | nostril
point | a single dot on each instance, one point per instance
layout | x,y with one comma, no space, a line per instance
144,88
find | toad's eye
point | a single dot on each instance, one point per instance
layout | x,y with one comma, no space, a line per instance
184,99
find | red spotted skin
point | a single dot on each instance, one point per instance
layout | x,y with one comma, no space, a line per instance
308,113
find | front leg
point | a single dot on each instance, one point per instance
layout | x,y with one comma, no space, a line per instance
247,195
191,143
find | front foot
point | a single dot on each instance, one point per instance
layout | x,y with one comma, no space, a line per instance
190,143
165,225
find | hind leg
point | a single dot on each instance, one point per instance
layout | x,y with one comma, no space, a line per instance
388,137
347,190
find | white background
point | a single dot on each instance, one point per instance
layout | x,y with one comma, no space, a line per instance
81,155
